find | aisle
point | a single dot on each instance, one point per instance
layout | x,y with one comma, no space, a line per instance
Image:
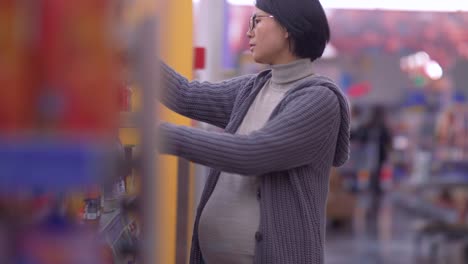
381,234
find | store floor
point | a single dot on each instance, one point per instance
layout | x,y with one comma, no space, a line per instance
381,234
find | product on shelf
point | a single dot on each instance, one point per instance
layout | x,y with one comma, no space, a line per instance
78,73
15,63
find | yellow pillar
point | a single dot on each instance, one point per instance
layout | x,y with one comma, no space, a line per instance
176,51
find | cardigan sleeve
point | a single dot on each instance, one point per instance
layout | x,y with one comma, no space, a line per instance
203,101
292,138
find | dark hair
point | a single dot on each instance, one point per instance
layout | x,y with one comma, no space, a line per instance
306,23
311,43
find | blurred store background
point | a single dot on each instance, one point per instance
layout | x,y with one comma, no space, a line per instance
77,115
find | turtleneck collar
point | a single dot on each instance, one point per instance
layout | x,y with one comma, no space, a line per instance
291,72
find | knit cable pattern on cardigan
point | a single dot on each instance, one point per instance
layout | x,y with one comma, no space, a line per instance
307,133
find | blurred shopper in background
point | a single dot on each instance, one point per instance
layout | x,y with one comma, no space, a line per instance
357,161
378,138
284,128
357,126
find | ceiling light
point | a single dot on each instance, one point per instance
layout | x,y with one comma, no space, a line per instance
433,70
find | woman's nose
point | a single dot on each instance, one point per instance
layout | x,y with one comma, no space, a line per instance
249,33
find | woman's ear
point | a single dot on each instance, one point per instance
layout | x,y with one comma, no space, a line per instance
286,34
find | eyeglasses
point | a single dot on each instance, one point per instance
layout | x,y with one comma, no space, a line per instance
253,21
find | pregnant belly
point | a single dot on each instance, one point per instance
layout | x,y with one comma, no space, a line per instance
228,224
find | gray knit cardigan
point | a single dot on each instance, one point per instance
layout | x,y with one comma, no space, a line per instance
307,134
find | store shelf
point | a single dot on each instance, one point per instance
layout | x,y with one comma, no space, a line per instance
447,182
51,165
423,207
452,180
410,195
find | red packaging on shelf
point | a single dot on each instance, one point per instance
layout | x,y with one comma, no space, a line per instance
15,92
78,85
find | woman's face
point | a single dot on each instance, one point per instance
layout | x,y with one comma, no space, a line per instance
268,40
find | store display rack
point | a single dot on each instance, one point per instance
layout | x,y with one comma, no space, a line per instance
48,169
